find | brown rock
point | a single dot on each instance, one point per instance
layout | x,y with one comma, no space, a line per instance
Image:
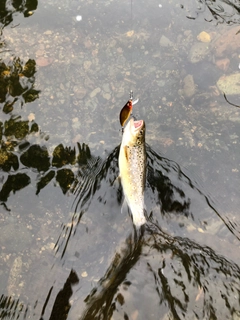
228,42
43,62
223,64
198,52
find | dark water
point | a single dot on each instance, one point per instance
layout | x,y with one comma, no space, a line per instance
67,251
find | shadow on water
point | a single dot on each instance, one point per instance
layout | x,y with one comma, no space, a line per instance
9,8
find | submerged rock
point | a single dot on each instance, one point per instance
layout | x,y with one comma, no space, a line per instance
198,52
227,43
204,37
165,42
223,64
95,92
189,87
230,84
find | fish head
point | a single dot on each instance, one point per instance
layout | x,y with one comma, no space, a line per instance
134,133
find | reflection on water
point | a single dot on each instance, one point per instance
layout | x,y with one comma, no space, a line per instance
17,83
223,11
9,8
102,300
182,275
11,309
185,278
62,304
67,251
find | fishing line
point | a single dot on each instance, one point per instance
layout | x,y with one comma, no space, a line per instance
131,48
126,111
131,63
131,66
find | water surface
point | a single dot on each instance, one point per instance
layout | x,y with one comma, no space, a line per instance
67,251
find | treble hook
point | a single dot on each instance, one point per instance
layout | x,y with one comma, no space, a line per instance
131,98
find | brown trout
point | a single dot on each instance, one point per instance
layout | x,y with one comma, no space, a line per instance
132,166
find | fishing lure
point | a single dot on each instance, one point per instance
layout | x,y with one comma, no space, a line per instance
127,109
125,112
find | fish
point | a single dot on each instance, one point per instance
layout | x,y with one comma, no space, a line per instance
132,167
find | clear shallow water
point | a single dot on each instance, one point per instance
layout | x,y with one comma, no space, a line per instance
67,251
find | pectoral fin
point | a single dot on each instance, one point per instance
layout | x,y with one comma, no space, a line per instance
126,152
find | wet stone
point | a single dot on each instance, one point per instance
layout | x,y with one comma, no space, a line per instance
95,92
227,43
79,92
204,37
235,118
230,85
106,96
106,88
198,52
48,32
87,64
223,64
188,86
76,124
161,83
84,274
165,42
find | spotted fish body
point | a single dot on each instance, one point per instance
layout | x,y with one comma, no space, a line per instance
132,166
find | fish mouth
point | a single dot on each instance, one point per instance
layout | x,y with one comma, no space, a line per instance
138,124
